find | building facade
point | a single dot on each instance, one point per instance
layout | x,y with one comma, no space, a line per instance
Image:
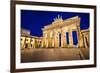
60,33
28,41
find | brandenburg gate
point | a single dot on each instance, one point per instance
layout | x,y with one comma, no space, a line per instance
60,33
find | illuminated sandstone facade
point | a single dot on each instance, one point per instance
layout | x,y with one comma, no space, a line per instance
54,35
58,34
28,41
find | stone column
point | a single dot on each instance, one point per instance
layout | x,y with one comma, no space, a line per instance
80,39
85,42
45,45
55,39
50,38
53,42
22,42
42,42
63,39
70,39
46,40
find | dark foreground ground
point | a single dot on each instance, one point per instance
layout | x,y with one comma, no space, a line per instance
51,54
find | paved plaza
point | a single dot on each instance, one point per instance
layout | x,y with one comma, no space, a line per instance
51,54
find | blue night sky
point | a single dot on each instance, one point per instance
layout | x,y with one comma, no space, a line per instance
35,20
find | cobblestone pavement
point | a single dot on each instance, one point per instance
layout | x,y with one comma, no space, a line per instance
51,54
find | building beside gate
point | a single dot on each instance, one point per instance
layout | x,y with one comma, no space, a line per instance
28,41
